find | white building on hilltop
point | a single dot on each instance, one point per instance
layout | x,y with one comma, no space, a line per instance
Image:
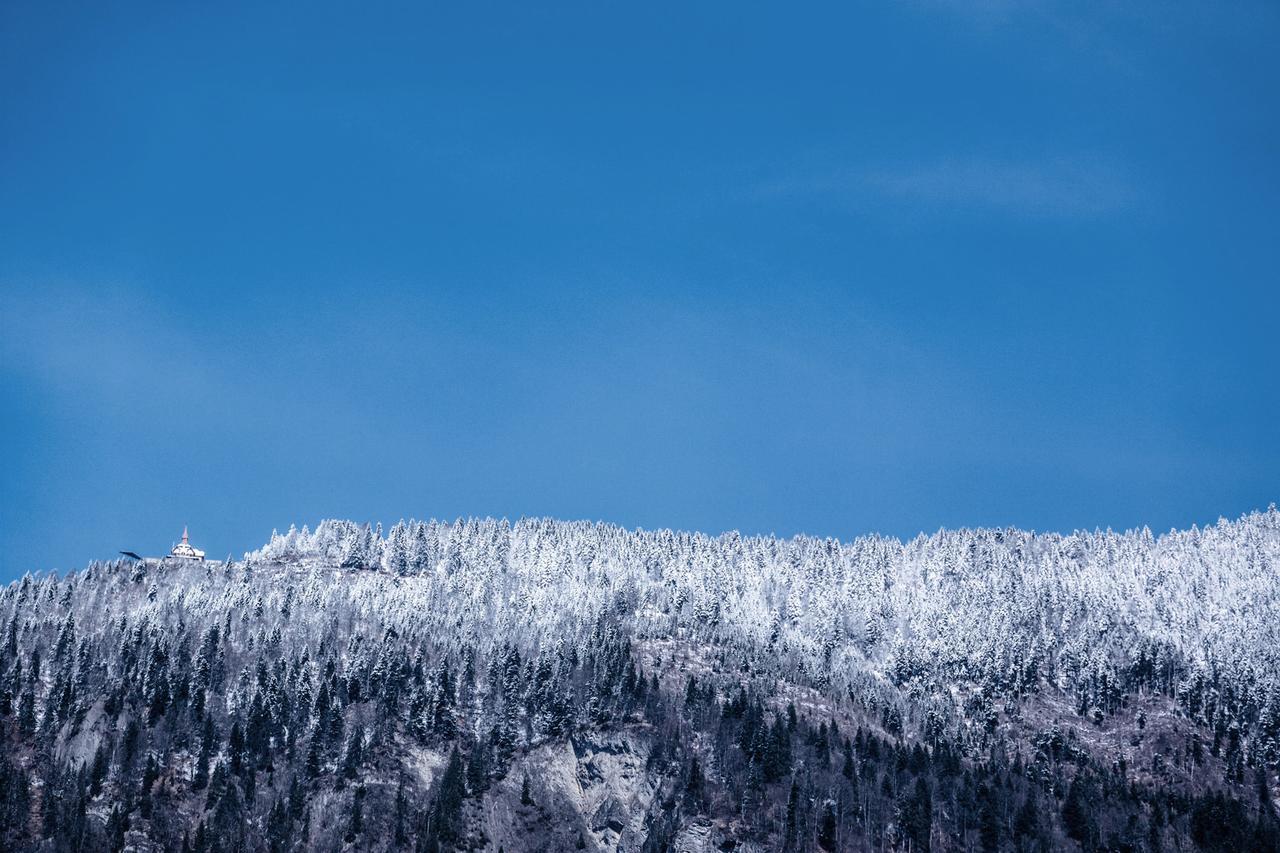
184,551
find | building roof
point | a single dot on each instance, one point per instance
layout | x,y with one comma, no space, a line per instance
183,549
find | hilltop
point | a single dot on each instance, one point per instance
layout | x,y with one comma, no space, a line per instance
550,685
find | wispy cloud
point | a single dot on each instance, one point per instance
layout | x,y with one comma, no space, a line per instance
1068,187
107,344
1115,33
983,11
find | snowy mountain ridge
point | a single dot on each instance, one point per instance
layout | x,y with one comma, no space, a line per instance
549,685
964,604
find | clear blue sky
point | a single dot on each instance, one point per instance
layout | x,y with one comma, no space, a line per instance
866,267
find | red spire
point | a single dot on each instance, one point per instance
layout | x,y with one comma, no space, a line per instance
184,534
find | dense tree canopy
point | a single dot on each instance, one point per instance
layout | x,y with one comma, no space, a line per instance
974,689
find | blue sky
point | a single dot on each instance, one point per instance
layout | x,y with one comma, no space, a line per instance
826,269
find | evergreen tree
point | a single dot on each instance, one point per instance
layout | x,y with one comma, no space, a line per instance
989,829
917,816
400,816
446,807
791,831
200,776
827,828
355,821
1026,827
694,790
1077,821
353,756
526,798
478,770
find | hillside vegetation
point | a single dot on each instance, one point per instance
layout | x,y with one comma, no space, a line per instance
550,685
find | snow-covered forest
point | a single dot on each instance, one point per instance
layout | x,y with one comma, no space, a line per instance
548,685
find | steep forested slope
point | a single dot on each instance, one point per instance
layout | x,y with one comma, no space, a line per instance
555,686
